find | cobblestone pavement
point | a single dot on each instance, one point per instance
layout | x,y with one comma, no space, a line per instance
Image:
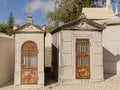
112,83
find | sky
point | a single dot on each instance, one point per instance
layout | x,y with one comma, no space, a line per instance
19,8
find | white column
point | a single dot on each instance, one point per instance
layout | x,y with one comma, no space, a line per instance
108,4
116,12
29,20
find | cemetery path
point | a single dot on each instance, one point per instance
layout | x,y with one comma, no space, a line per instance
112,83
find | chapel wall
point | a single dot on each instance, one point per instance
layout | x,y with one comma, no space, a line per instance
67,69
48,40
39,40
111,49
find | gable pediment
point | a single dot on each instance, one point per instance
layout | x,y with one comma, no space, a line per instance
29,28
80,24
85,25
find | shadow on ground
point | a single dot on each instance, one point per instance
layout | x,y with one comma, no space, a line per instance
8,83
49,79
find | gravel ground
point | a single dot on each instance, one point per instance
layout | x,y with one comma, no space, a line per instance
112,83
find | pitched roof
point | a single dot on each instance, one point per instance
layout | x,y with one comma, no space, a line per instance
109,22
21,29
99,13
80,24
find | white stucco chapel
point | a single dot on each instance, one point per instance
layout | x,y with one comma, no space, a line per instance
29,54
86,49
77,52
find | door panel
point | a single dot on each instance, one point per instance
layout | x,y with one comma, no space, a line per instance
29,63
82,59
29,76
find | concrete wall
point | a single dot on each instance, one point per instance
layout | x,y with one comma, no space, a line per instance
7,59
38,38
111,49
67,66
55,55
48,40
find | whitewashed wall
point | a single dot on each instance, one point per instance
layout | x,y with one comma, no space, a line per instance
111,50
67,66
7,49
48,40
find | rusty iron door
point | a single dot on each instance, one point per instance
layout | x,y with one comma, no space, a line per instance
29,76
29,71
82,59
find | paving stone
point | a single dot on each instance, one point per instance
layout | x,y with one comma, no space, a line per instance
112,83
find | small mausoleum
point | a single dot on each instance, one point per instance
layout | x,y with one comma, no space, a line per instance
29,54
77,52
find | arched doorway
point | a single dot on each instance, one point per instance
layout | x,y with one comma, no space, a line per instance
29,63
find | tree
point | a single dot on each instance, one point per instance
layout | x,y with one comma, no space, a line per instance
11,20
3,28
6,29
9,30
68,10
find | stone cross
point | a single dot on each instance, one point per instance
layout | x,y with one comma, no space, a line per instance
30,15
29,10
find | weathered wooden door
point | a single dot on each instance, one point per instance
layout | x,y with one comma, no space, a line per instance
82,59
29,71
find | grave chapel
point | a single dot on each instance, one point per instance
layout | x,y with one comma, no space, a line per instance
29,54
77,54
87,49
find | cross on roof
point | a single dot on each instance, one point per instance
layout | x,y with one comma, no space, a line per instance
29,10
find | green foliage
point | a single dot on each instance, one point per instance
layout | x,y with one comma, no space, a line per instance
49,28
9,31
3,28
10,24
67,10
11,20
6,29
